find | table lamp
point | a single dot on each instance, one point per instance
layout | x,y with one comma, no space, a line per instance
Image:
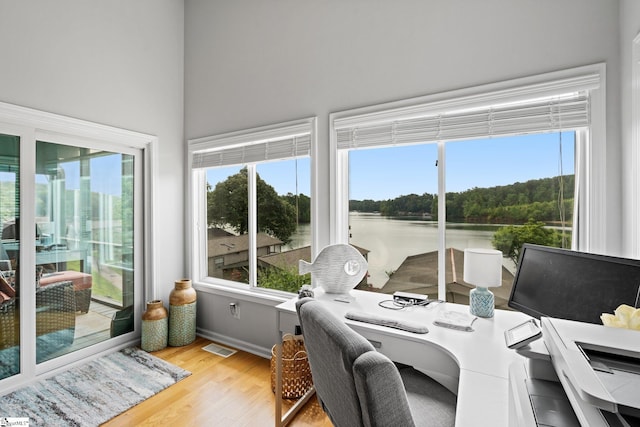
483,269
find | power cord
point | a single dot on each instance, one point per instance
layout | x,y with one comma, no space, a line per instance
399,304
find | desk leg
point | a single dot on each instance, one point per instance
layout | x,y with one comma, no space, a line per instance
280,420
279,385
297,406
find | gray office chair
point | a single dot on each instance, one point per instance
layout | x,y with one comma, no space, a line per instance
357,386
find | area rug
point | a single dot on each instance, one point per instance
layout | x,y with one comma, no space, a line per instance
90,394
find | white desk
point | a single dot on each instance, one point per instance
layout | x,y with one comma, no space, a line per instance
474,365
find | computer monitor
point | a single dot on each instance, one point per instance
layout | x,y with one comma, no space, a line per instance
573,285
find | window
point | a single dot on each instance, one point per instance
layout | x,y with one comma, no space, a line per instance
81,184
419,181
85,218
252,206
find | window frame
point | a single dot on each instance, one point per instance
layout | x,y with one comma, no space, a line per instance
197,184
591,199
633,244
32,125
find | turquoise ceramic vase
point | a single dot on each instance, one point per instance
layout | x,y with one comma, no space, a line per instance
182,313
154,327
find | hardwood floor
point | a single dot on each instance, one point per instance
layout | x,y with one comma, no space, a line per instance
229,392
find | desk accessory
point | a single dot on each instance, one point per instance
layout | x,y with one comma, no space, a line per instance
305,291
483,269
522,334
405,325
455,320
337,268
409,297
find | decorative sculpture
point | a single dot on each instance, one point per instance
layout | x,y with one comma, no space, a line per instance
337,268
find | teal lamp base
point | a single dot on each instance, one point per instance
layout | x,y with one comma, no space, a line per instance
481,302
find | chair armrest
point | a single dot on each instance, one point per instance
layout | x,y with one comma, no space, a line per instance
57,296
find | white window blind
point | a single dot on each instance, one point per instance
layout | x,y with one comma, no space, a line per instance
568,111
296,146
275,142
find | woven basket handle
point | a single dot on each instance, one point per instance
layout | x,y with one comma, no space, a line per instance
300,355
288,336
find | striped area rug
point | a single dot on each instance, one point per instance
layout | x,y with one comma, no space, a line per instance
93,393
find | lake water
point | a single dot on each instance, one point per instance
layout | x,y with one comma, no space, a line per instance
390,240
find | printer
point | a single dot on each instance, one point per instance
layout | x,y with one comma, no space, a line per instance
579,374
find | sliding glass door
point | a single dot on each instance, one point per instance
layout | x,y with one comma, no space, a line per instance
73,262
85,221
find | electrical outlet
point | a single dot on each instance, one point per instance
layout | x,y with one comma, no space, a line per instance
234,308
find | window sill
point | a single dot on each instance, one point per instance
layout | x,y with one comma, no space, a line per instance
258,296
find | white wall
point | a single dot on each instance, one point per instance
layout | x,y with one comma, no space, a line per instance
629,30
250,63
115,62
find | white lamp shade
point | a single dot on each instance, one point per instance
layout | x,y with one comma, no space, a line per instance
483,267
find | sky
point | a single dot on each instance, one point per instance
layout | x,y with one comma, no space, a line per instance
106,174
380,174
375,174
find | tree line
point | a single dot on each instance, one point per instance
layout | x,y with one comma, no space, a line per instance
278,215
517,203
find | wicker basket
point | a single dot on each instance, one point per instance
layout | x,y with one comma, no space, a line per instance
296,373
9,322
